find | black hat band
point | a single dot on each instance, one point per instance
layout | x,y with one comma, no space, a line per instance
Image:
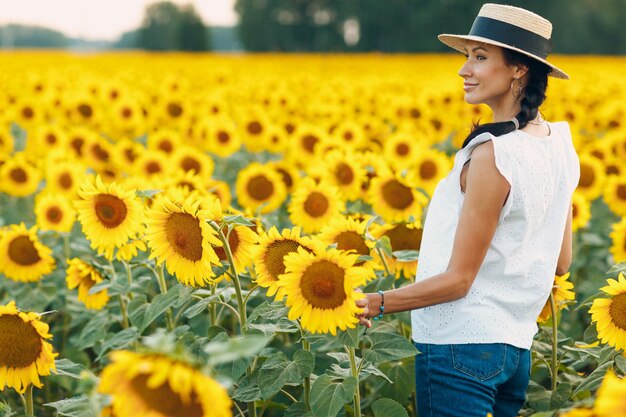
511,35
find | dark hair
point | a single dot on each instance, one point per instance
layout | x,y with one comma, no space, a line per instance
534,96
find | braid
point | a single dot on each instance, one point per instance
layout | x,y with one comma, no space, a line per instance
534,96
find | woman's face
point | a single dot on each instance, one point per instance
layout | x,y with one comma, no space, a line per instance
487,75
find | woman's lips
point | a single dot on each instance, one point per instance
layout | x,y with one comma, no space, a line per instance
468,86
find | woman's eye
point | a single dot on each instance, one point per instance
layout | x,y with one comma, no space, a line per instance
480,57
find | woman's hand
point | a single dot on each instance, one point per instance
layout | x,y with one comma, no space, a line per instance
364,316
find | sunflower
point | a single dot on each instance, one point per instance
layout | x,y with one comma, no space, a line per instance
128,251
64,177
45,139
127,116
221,190
127,151
6,140
306,140
259,187
188,159
592,177
179,235
253,130
430,166
155,385
611,396
610,313
618,238
288,172
22,256
152,165
313,205
164,140
54,212
84,276
25,353
394,197
401,149
269,260
349,133
342,169
242,242
110,214
18,176
614,194
581,211
320,289
348,234
562,293
222,138
402,236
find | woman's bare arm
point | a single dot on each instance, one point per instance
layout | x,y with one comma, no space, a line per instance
565,257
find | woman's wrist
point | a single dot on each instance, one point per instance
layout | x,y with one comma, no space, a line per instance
375,304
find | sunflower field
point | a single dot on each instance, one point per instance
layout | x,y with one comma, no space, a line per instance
186,235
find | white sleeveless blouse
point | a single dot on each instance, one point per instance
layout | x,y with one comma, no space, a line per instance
516,276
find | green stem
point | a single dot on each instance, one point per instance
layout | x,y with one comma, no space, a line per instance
213,307
125,323
384,261
163,287
355,373
307,381
554,365
28,401
129,277
67,250
240,303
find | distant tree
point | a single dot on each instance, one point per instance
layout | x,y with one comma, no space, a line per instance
21,36
169,27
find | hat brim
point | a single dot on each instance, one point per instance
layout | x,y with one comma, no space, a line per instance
457,42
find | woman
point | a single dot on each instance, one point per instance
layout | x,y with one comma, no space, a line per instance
497,231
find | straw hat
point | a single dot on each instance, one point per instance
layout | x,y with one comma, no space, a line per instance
512,28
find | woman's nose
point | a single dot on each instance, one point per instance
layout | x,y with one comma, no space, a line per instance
465,70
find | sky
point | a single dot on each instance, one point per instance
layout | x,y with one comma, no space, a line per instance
102,19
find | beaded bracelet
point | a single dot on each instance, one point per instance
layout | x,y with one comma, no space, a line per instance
382,306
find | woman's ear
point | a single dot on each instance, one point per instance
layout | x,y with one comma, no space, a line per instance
520,70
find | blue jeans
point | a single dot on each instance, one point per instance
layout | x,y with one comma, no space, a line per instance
471,380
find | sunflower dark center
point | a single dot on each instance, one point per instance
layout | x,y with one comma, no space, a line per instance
260,188
223,137
28,113
587,176
21,344
344,173
415,113
127,113
348,136
286,177
51,138
617,310
316,204
188,163
574,210
130,154
54,214
65,181
621,192
165,401
22,251
166,146
428,170
174,109
255,128
110,210
352,240
322,285
185,235
275,253
85,110
403,238
402,149
100,153
309,142
77,145
397,195
233,242
18,175
153,167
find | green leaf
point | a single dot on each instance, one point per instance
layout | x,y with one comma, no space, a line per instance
403,376
297,410
94,331
19,136
248,389
267,311
136,310
386,407
79,406
278,371
617,268
341,369
384,244
593,381
542,399
147,193
620,362
238,220
223,351
349,337
328,397
408,255
283,325
159,304
66,367
119,341
388,347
